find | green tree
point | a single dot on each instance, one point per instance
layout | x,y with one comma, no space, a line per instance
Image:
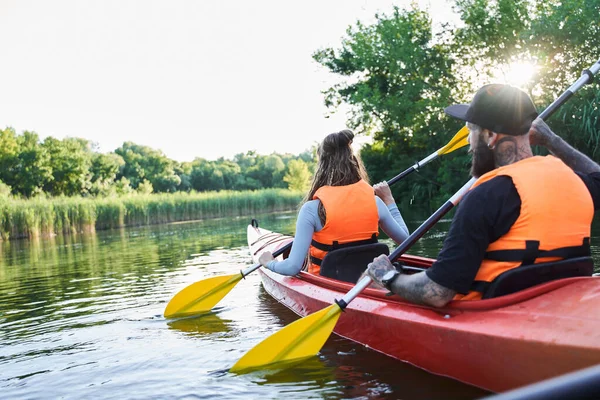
145,187
297,176
397,80
397,77
71,159
31,169
123,186
268,170
104,169
560,37
9,152
142,162
5,190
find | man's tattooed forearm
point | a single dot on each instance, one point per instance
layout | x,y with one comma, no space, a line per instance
574,159
420,289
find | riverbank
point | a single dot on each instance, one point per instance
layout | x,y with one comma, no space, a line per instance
41,217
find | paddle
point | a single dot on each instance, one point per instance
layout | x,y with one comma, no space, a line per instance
203,295
305,337
459,140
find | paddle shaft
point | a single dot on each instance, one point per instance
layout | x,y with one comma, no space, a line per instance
586,77
409,241
413,168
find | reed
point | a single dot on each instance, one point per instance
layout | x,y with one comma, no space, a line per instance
38,217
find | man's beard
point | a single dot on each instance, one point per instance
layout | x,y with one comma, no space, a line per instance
483,160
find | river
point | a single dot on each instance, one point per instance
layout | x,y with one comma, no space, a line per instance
81,317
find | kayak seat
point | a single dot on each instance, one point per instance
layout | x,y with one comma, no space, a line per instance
526,276
348,263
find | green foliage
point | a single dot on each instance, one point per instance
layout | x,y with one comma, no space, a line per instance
31,170
123,186
142,162
397,77
395,71
5,190
297,176
70,159
145,187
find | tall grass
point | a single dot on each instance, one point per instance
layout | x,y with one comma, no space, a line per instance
46,217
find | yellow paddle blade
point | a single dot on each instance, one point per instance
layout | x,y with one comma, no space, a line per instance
300,339
459,140
201,296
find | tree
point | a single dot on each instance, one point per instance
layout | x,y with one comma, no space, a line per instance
558,36
145,187
104,169
397,78
31,169
71,159
5,190
142,162
297,175
123,186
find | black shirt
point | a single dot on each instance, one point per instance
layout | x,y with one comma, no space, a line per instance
484,215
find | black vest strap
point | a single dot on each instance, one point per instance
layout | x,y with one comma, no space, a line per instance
532,252
480,286
336,245
315,260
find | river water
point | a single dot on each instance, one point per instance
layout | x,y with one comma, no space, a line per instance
81,317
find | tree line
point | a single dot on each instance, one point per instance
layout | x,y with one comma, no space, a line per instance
71,167
399,73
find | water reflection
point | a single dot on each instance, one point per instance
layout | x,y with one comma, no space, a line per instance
206,324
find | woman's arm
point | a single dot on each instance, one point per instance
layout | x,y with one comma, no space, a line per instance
390,219
306,224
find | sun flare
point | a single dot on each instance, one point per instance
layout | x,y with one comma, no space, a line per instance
517,73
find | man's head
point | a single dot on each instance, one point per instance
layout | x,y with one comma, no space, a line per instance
497,115
499,108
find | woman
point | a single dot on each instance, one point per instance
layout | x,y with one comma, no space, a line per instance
341,208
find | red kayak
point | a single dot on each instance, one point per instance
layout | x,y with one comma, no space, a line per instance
496,344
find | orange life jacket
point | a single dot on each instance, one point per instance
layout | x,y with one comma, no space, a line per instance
351,219
554,222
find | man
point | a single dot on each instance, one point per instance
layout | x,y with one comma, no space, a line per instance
520,203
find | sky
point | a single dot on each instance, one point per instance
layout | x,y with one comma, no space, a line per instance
191,78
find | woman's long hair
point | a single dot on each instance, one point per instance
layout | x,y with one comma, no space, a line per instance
336,166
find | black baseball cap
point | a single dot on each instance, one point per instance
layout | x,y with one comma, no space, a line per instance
499,108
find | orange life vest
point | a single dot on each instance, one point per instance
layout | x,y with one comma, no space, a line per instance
351,219
554,222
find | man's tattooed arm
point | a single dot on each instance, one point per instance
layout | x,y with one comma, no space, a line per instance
541,134
418,288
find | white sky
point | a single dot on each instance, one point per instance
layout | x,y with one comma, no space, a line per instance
191,78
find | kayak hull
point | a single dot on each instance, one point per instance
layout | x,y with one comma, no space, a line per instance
496,344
